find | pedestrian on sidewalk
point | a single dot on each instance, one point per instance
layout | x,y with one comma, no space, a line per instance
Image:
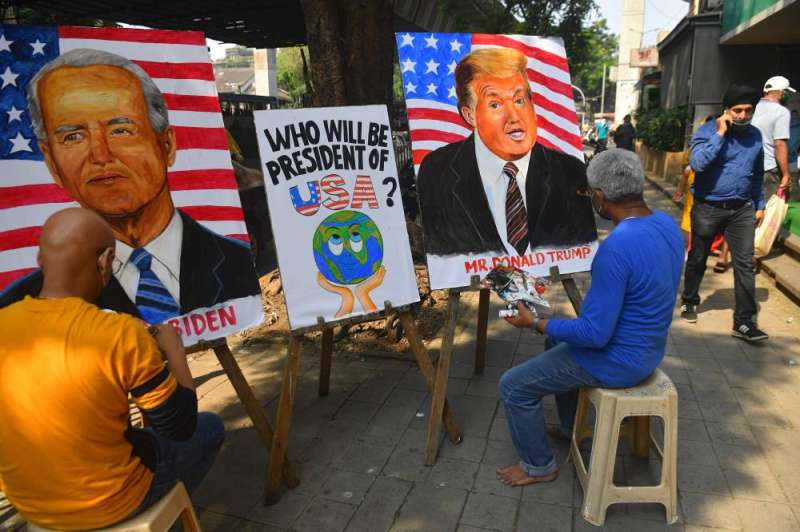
69,459
620,336
684,191
728,161
773,120
625,134
601,128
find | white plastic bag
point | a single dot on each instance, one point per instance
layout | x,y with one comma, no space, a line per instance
766,233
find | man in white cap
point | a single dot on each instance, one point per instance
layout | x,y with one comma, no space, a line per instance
772,119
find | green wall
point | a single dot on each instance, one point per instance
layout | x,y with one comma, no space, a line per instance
735,12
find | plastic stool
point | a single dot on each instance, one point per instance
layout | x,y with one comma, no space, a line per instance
158,518
656,396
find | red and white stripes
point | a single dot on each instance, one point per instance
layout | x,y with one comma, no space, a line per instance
435,124
201,180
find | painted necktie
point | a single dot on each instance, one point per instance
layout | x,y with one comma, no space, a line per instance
516,216
153,300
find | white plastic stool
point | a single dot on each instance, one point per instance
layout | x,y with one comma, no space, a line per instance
656,396
158,518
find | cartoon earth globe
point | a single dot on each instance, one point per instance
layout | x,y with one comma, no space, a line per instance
348,247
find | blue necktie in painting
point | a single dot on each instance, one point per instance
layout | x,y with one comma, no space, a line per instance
153,300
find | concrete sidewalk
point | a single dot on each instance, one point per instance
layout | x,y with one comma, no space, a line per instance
359,450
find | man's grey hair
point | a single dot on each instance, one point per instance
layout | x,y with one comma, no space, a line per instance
617,173
82,57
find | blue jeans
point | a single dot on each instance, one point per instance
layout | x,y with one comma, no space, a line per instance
521,390
188,461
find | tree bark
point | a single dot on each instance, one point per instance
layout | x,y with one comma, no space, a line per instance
350,44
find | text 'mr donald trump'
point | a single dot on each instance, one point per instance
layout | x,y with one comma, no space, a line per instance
103,127
499,191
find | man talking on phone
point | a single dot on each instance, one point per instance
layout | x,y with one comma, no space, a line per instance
728,160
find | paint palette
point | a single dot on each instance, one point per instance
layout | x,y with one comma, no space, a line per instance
517,286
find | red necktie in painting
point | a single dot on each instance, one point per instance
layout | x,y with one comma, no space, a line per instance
516,216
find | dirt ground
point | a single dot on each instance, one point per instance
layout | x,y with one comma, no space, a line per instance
362,338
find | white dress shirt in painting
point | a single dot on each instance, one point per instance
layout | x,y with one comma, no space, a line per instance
166,263
495,185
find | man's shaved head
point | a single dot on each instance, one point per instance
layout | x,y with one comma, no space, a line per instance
75,253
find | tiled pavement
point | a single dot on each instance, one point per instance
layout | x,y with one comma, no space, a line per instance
359,450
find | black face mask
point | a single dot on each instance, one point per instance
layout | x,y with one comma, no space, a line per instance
598,209
739,126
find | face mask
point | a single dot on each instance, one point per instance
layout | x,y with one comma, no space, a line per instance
739,126
598,208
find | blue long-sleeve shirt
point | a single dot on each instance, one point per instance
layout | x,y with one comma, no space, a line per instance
621,333
728,167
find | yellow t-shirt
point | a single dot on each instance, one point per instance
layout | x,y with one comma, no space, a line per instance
66,368
686,219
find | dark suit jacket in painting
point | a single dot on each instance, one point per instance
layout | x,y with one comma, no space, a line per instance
213,269
456,216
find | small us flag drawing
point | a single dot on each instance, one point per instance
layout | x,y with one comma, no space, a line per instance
306,207
427,65
201,180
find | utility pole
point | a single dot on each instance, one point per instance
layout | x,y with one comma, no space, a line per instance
603,92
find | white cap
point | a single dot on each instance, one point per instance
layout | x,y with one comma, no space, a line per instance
777,83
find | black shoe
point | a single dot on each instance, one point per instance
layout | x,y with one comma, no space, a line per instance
688,313
749,333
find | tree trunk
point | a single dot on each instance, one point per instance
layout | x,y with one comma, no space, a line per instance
350,44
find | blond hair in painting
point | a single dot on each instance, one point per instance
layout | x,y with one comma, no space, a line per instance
497,62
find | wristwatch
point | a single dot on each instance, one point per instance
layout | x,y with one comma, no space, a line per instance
535,326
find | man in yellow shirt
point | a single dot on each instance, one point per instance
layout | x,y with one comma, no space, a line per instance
69,458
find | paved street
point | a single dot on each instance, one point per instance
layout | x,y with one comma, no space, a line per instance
359,450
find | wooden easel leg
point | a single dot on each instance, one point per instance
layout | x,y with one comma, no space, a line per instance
277,454
641,437
573,294
568,282
439,393
426,368
253,408
325,362
480,336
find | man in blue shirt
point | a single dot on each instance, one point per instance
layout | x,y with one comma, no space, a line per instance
619,337
728,160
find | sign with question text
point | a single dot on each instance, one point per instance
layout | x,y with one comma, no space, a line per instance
337,215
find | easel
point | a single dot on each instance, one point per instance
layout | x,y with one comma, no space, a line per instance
436,380
254,410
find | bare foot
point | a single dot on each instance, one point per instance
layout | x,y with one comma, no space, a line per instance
515,476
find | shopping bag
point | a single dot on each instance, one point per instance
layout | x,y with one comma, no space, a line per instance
770,225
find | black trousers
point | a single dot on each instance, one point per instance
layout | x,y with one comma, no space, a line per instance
738,227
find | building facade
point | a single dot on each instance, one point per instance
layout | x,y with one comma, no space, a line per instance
720,43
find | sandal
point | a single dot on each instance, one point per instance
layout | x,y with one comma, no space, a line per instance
720,267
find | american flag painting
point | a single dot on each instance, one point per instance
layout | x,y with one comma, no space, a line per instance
427,66
201,179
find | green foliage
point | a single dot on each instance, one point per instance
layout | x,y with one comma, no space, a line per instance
397,83
589,46
597,49
662,129
290,74
16,14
